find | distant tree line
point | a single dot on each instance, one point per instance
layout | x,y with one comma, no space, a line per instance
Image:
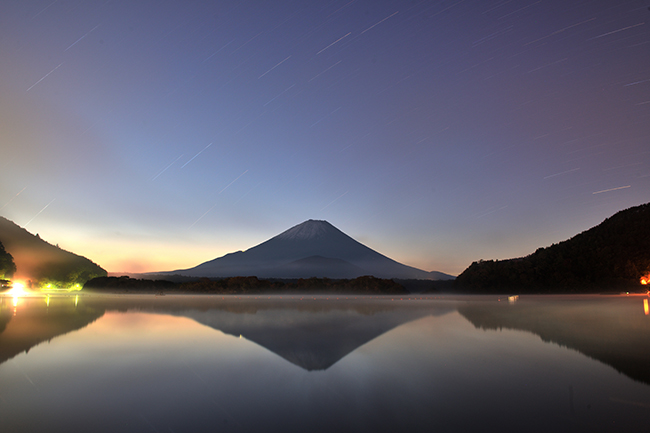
248,285
612,255
75,270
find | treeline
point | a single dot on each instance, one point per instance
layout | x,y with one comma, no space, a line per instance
7,265
42,264
127,284
613,255
248,285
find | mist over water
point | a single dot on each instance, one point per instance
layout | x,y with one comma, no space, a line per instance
206,363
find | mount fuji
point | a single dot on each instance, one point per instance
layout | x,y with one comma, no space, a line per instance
311,249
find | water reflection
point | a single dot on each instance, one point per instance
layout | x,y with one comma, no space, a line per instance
206,364
615,331
26,322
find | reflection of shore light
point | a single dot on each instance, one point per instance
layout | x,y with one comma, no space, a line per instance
76,300
17,291
646,310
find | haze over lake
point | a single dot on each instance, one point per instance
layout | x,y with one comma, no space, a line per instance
297,363
206,154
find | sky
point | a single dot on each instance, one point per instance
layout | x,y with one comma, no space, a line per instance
156,135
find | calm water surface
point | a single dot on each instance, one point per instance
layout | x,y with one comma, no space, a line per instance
207,363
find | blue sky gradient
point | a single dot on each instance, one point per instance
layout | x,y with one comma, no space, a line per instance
155,135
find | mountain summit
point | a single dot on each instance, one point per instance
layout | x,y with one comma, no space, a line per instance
311,249
310,229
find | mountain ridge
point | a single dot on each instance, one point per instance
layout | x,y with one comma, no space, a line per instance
41,262
612,255
346,257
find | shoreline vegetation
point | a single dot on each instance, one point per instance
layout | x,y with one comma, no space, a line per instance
366,285
613,255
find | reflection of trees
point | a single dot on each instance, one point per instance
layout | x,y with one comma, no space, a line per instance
615,333
315,334
34,322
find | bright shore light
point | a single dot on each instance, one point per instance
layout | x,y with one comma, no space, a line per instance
17,290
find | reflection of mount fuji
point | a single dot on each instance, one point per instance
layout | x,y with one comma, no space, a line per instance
313,340
316,334
313,335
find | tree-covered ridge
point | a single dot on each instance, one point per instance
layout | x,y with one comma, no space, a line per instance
40,263
614,254
7,265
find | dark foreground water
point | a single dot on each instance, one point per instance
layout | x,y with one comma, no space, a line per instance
205,363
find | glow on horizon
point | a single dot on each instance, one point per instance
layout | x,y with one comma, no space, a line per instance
436,133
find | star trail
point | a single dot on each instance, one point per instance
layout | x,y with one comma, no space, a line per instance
436,132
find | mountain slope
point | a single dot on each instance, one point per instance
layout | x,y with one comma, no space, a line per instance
614,254
313,248
39,261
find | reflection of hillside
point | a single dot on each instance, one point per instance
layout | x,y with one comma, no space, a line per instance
315,334
615,333
35,322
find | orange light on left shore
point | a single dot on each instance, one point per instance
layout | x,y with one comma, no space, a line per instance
17,290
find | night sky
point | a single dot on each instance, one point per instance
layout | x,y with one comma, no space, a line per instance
155,135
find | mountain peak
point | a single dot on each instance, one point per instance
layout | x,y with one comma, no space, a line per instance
308,230
311,248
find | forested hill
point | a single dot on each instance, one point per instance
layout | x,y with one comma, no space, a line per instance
613,255
42,263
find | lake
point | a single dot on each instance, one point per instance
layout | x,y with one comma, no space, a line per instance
323,363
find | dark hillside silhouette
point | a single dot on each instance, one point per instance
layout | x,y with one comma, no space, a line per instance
43,263
613,255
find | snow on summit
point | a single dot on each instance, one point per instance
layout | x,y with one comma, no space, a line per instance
310,229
